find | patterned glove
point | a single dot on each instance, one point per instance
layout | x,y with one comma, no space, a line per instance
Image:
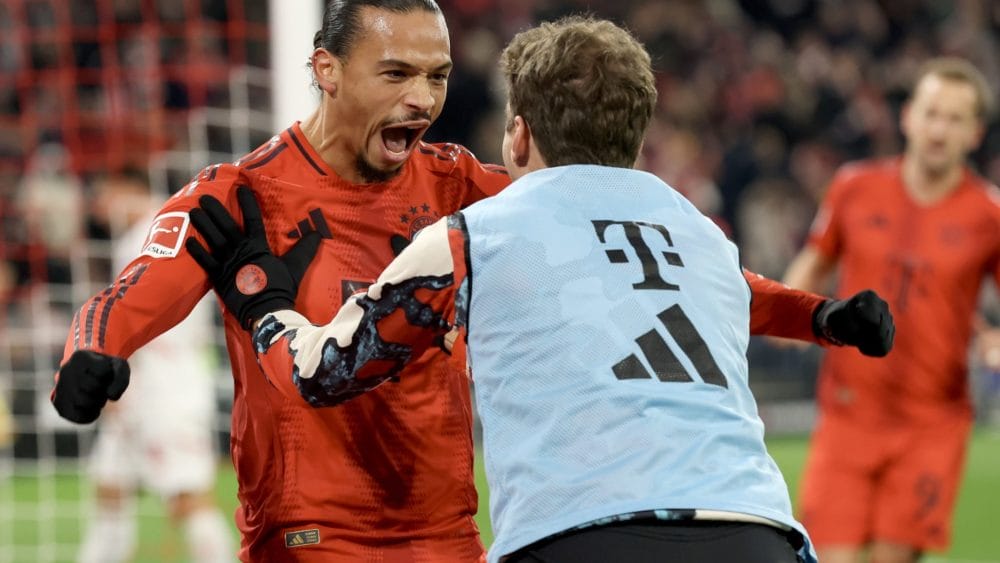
863,321
251,280
86,382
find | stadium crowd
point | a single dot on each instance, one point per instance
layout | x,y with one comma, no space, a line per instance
759,101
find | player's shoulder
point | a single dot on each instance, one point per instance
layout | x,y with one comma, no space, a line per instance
222,178
266,152
864,177
867,170
216,179
449,158
985,189
442,154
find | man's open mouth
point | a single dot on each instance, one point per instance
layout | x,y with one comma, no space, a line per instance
399,139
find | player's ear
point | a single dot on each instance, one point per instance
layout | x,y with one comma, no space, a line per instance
521,140
327,71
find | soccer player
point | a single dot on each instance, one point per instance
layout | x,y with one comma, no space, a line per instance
606,319
160,435
325,485
923,230
389,476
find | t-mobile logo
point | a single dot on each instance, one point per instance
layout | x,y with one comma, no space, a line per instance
650,269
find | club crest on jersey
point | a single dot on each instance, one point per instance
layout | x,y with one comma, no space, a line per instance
251,279
166,235
418,216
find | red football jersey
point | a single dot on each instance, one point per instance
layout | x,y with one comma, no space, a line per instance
392,466
927,262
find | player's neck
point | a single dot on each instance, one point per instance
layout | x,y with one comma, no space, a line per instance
927,186
317,130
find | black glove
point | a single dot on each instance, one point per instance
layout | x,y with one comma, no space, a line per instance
863,321
86,382
398,243
250,279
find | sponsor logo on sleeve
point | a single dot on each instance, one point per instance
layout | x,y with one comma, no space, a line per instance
166,235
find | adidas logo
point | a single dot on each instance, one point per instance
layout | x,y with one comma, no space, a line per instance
666,366
300,538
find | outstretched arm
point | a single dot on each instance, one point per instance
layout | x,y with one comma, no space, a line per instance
779,310
862,321
152,294
407,310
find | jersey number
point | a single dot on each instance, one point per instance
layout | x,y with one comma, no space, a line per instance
666,366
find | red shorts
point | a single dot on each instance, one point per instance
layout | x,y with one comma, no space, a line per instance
894,485
311,543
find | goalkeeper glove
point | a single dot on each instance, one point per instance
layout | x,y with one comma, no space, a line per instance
251,280
86,382
863,321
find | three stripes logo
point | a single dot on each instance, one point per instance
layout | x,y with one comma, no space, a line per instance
93,316
662,359
301,538
658,353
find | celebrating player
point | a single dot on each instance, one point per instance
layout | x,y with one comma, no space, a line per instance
389,475
355,175
923,230
607,324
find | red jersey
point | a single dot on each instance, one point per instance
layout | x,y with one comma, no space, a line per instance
927,262
392,466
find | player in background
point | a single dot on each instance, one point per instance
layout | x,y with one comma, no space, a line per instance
160,436
606,320
923,230
388,476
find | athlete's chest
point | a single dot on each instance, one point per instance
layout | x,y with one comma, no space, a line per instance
951,241
362,230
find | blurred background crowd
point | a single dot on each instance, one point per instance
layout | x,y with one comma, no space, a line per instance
760,101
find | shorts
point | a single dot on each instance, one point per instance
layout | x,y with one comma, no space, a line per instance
315,543
695,541
895,485
159,437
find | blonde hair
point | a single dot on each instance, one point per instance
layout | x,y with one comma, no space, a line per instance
586,89
960,70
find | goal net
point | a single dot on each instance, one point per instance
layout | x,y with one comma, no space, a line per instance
87,89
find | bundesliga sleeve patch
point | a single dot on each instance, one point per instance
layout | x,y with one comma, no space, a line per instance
166,235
